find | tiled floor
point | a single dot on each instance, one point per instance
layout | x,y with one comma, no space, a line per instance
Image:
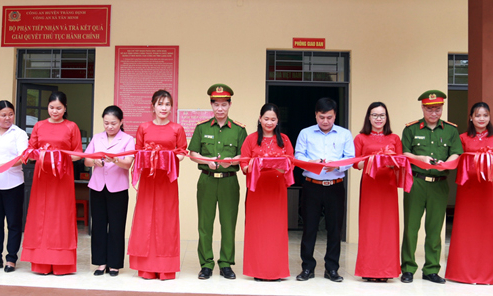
187,281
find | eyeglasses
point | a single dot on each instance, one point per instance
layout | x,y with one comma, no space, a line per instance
381,116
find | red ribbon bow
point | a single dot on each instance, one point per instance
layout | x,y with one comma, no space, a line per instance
483,159
155,148
387,150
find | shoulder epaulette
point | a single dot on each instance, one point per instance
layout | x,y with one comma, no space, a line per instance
239,123
451,123
412,122
203,121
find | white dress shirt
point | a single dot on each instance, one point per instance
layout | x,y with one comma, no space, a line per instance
12,143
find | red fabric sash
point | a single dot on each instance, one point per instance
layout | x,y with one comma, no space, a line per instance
282,163
154,158
479,162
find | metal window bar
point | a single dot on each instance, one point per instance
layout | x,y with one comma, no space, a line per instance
54,64
307,66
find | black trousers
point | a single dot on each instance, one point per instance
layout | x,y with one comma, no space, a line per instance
109,216
11,201
315,199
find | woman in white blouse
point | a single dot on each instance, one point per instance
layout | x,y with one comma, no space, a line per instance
13,141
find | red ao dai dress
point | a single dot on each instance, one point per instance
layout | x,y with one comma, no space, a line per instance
378,243
50,234
266,214
470,258
154,244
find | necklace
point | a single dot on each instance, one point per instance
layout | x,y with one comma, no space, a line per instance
481,135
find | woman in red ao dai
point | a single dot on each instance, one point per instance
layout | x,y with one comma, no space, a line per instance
50,234
378,244
470,260
266,225
154,244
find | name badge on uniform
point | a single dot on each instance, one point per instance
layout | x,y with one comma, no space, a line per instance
419,137
209,136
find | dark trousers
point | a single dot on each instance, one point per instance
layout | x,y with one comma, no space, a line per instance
11,201
315,199
109,216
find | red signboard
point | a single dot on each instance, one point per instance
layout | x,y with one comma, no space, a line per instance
312,43
139,72
70,25
189,119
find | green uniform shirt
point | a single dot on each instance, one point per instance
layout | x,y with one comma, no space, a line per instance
439,143
210,140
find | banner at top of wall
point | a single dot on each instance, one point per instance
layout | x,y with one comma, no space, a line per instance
311,43
49,26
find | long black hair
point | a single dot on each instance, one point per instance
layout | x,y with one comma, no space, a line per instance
471,129
62,98
6,104
367,128
115,111
277,129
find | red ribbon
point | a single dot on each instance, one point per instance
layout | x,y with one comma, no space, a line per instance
482,160
383,151
154,156
282,162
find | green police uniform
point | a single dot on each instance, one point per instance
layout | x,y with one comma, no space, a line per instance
219,187
429,191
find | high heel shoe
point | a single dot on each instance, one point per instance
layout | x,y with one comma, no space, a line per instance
101,271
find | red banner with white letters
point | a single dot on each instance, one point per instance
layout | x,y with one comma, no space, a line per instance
68,25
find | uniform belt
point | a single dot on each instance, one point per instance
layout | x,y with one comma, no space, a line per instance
324,182
218,175
428,178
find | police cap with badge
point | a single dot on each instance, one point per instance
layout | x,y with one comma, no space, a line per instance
220,91
432,97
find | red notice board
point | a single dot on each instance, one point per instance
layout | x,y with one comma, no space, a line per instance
189,118
139,72
68,25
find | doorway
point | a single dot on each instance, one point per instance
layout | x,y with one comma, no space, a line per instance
458,113
295,80
39,73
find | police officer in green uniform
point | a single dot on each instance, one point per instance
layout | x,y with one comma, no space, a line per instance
218,138
433,141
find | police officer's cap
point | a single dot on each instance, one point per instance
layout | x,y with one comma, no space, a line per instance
220,91
432,97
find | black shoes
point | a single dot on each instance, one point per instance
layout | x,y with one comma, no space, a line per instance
101,272
333,276
205,273
227,273
433,277
114,272
407,277
9,268
305,275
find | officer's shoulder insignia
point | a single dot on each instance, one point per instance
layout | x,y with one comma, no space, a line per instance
239,124
412,122
451,123
203,121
